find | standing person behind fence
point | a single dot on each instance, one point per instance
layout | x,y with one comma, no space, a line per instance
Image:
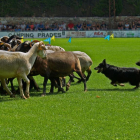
138,25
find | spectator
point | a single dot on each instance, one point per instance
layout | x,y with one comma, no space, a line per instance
18,26
79,26
133,26
41,26
126,26
84,26
93,26
59,26
17,29
88,26
1,26
103,26
63,25
23,26
70,26
36,26
46,27
120,26
98,26
31,26
9,27
13,27
4,27
27,27
138,25
54,26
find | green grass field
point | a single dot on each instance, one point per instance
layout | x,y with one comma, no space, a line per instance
104,112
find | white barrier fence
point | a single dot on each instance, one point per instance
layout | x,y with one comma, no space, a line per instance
74,34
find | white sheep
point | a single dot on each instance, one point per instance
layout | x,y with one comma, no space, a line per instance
19,64
54,48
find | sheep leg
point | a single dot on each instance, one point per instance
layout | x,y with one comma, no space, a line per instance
60,87
89,73
12,86
27,86
69,82
44,85
83,79
6,87
72,76
36,87
52,85
21,88
2,91
80,80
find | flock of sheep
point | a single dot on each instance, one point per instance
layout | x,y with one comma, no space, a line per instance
28,59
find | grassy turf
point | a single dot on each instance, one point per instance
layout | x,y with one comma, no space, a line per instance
103,112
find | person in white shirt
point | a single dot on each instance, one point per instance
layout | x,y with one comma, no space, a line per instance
63,25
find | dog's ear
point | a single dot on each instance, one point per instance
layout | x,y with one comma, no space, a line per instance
104,62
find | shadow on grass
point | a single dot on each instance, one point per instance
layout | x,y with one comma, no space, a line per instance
34,93
7,98
115,89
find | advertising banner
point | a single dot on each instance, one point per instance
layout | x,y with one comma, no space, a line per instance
76,34
36,34
73,34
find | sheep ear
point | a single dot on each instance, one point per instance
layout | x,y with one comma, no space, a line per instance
34,41
41,45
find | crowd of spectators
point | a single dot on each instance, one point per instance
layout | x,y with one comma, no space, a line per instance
129,26
85,26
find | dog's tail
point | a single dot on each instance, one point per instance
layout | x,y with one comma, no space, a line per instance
138,63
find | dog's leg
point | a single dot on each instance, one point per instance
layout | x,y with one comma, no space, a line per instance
113,83
121,84
137,86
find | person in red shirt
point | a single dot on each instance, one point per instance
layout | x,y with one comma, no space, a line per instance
31,26
70,26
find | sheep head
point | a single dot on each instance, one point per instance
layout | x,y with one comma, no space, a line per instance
41,49
41,46
4,38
